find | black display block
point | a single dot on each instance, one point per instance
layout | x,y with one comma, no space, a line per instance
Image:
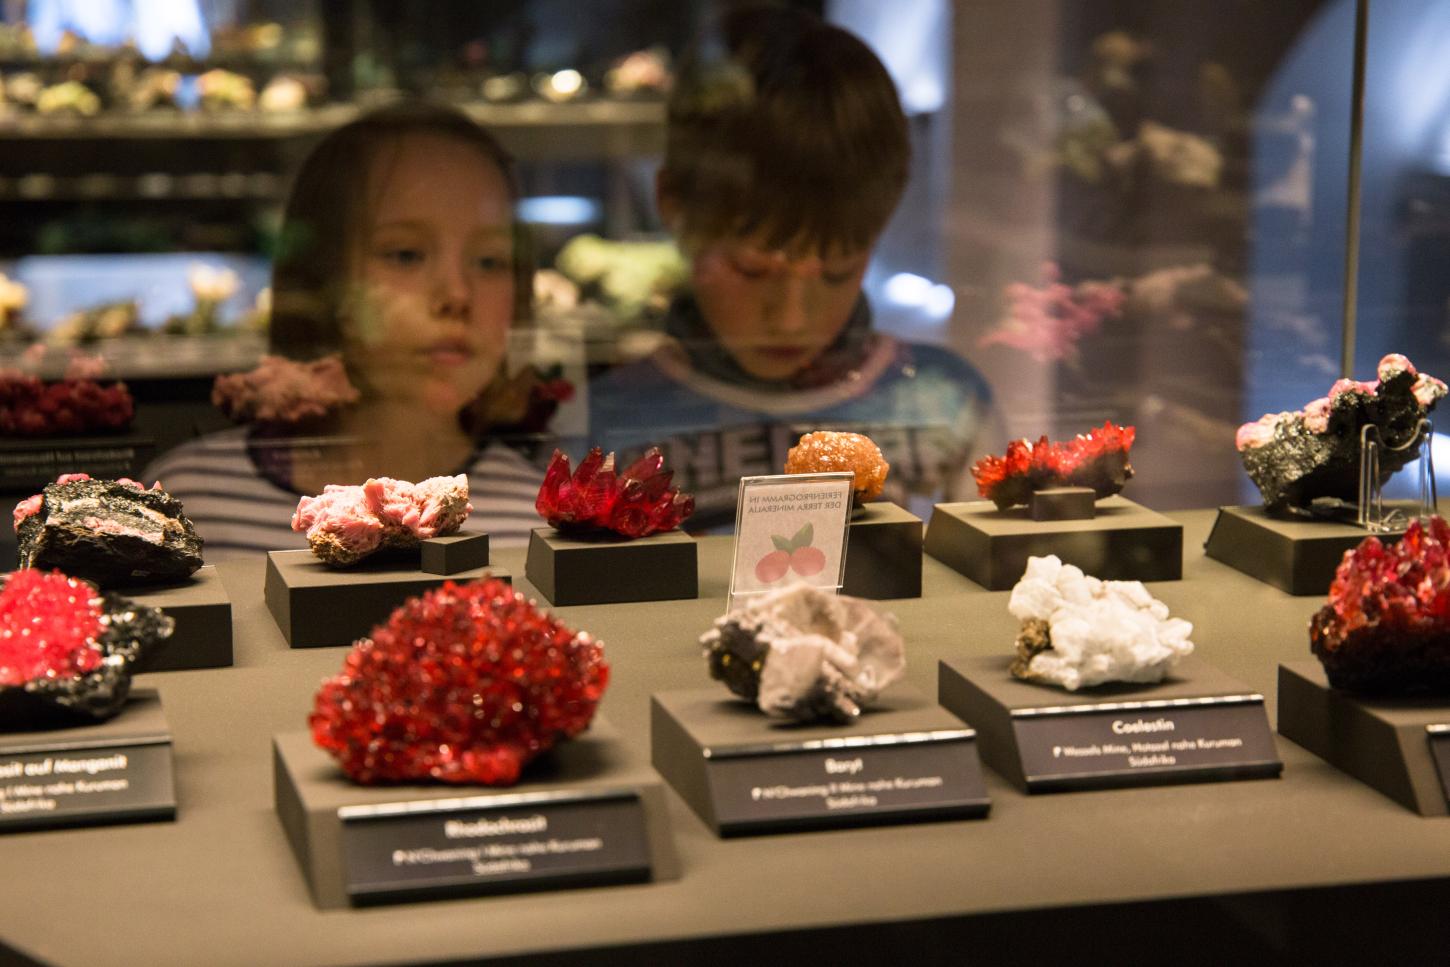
117,771
612,570
1388,743
203,615
1297,556
1063,503
316,605
905,760
883,553
1124,542
453,554
28,465
1199,725
588,814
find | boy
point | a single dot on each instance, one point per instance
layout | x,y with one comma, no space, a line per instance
785,157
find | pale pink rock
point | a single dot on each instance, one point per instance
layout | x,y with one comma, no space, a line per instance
345,524
283,391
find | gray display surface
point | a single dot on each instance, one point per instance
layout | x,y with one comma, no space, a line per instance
220,885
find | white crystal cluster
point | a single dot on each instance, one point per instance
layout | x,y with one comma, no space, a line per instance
1101,631
810,654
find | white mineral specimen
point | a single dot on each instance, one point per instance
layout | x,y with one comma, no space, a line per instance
806,654
1099,631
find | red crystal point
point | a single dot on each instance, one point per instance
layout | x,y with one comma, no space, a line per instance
1098,460
49,624
464,684
635,503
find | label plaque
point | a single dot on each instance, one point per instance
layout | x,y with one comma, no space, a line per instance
1144,742
86,784
492,844
1439,738
849,781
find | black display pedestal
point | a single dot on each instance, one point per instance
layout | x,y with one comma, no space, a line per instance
905,760
612,570
1197,726
453,554
589,813
31,464
316,605
1387,743
203,615
117,771
1297,556
1124,542
883,553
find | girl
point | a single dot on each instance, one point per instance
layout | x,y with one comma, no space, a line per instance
399,251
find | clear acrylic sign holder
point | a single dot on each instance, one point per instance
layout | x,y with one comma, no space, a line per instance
782,514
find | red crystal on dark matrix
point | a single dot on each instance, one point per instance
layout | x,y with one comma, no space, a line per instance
464,684
1097,459
1386,627
635,503
48,627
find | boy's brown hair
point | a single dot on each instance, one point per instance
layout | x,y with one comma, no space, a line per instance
788,126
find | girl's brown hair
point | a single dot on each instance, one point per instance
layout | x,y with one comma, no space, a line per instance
326,218
783,124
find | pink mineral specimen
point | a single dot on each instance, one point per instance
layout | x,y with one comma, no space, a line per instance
345,524
282,391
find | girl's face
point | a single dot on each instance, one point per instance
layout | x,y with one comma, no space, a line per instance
775,312
428,320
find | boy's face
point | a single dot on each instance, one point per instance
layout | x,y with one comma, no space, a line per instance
774,311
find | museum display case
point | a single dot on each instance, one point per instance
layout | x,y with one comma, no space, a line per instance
718,481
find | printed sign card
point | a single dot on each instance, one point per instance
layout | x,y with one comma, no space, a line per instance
788,528
1440,751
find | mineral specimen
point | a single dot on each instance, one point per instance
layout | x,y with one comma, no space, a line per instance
1098,459
67,651
806,654
1078,631
1314,453
112,532
465,684
635,503
345,524
282,392
826,452
32,408
1386,627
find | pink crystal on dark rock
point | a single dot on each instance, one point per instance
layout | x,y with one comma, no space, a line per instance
67,651
1097,459
345,524
635,503
1386,628
464,684
115,533
1298,457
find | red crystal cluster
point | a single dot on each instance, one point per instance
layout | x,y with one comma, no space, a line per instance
465,684
1098,459
635,503
1386,628
32,408
49,624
